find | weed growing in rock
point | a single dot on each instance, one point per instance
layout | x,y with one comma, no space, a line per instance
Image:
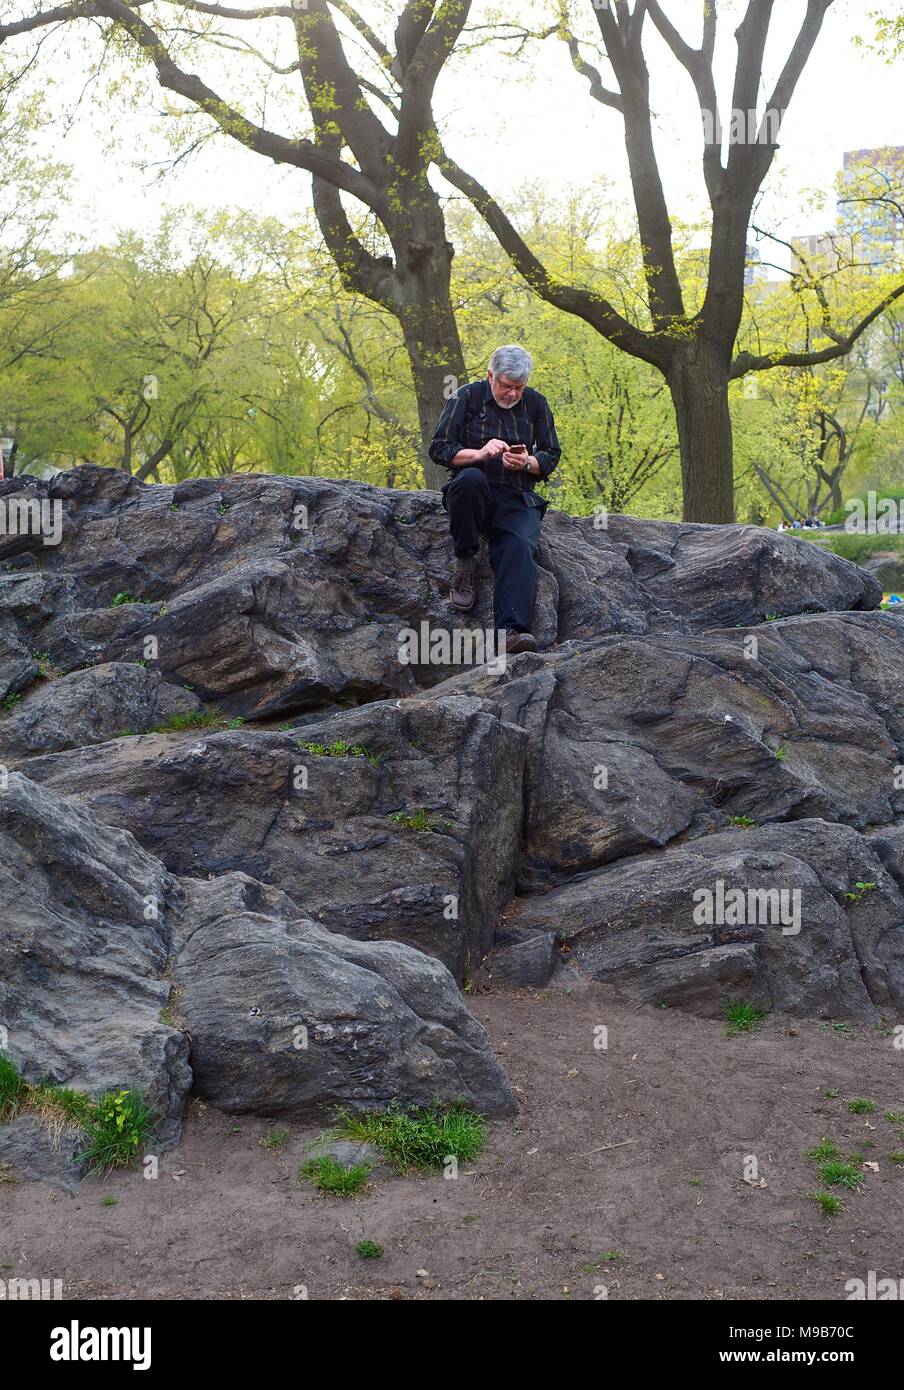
742,822
781,753
328,1174
195,719
420,820
12,1088
421,1138
859,891
11,700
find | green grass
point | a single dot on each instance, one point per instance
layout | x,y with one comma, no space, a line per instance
839,1172
897,1156
831,1093
860,548
369,1249
339,748
422,1138
824,1150
274,1139
110,1202
12,1088
121,599
894,1117
10,701
195,719
740,1017
420,820
328,1174
743,822
119,1128
781,753
861,1106
830,1204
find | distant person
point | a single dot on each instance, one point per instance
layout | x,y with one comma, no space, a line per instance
497,438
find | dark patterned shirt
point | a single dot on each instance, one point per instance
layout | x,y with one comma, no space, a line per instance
471,417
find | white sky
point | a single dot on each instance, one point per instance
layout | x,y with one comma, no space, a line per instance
508,123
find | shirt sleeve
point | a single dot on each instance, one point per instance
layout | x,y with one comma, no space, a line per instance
447,440
548,451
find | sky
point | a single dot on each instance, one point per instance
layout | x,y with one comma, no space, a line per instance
506,121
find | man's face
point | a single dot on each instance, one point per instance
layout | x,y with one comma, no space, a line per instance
505,391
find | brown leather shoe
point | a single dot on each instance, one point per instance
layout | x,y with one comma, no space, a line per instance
463,593
519,642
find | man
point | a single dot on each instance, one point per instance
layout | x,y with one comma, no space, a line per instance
497,437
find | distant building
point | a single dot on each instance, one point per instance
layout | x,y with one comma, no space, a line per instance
754,269
871,200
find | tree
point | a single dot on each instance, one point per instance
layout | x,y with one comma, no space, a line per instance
386,169
692,343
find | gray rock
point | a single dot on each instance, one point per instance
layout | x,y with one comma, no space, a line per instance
528,959
83,954
637,925
91,706
321,827
287,1018
36,1152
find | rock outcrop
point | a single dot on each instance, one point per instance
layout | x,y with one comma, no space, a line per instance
228,801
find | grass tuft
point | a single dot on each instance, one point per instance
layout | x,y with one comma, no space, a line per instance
418,1138
369,1249
119,1128
830,1204
740,1016
328,1174
837,1172
861,1106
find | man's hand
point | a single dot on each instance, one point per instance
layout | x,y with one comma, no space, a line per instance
518,462
492,449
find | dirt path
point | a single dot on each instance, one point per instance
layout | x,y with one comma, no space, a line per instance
636,1152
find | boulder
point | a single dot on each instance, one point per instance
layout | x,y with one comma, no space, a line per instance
287,1018
414,838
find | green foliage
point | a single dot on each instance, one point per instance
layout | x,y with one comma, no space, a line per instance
12,1088
11,700
839,1172
369,1249
829,1203
120,1126
824,1149
275,1139
859,891
420,820
740,1017
328,1174
861,1106
418,1138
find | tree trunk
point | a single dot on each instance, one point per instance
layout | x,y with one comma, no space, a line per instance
427,318
698,381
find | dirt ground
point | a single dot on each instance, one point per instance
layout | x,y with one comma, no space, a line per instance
622,1177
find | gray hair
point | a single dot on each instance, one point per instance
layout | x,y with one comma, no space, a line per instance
512,361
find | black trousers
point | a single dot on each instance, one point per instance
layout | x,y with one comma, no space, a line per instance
510,519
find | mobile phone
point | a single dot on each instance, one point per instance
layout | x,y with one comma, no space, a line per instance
517,448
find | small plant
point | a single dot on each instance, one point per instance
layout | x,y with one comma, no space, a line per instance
369,1249
612,1255
10,701
772,618
839,1172
830,1204
196,719
831,1093
285,728
339,748
743,822
695,1182
421,1138
781,753
110,1202
740,1017
859,891
12,1088
328,1174
122,598
119,1128
274,1139
897,1156
45,669
861,1106
894,1117
420,820
825,1149
235,723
